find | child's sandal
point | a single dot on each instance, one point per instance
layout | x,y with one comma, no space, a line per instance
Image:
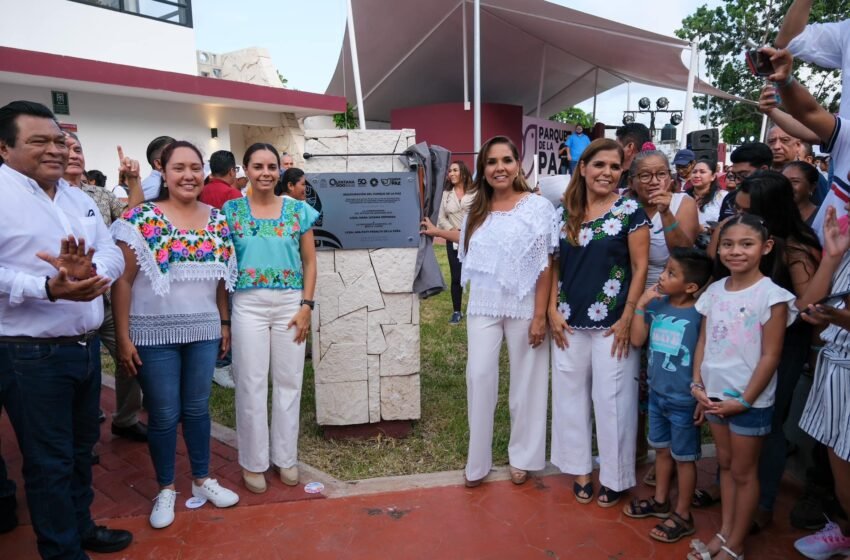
699,550
681,528
731,554
638,509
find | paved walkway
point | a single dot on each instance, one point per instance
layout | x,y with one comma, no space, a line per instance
495,521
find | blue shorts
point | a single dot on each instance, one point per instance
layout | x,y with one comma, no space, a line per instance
671,424
751,422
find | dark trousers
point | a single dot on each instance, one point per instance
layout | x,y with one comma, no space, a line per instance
795,350
454,270
53,403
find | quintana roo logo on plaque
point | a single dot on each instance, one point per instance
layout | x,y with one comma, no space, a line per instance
365,210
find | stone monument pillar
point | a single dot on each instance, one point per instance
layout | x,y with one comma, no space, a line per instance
366,320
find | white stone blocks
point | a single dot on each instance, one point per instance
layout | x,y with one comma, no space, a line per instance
342,404
400,398
367,332
402,354
395,268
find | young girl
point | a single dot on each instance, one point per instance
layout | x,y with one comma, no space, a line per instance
735,372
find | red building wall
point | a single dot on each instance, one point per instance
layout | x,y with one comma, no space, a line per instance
450,126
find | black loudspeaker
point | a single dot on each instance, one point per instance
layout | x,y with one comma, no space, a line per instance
706,155
668,133
704,139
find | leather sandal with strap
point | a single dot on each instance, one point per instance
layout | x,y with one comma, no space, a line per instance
680,528
638,509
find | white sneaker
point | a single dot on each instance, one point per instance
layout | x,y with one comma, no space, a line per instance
216,493
824,544
224,376
163,509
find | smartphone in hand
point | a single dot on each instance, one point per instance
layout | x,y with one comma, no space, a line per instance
759,63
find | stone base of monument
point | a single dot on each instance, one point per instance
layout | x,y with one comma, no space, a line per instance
397,429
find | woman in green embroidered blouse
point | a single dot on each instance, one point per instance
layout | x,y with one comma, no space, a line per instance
276,258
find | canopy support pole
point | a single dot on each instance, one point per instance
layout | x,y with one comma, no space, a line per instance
595,92
476,74
689,95
355,67
542,78
466,104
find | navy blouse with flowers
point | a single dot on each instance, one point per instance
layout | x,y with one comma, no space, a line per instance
268,251
596,273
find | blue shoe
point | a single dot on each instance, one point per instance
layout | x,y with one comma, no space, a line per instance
456,318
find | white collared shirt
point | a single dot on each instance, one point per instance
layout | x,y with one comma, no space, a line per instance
151,184
32,222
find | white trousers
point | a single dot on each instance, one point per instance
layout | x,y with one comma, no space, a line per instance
260,339
586,373
527,398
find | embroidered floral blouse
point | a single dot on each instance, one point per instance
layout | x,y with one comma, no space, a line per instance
595,274
268,251
174,296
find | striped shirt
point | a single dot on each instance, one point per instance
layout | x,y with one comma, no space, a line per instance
833,335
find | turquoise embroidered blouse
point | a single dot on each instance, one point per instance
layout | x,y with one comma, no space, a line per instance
268,251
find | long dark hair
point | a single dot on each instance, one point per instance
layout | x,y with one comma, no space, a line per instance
290,176
772,199
702,201
809,171
769,264
465,177
575,197
166,154
480,208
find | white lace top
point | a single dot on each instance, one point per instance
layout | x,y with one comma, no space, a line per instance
506,255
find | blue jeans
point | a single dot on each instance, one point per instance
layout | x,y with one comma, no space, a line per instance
176,380
573,165
52,393
7,486
671,425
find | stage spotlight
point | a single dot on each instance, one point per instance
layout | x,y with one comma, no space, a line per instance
644,103
676,119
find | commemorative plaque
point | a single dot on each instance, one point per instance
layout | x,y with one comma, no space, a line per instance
365,210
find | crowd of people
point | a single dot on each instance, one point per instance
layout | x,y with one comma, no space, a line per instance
168,272
661,296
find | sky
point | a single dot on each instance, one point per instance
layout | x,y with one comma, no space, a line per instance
304,39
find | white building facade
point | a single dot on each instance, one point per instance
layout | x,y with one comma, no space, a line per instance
137,78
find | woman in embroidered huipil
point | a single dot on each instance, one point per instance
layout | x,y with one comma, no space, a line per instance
271,317
599,273
505,244
171,319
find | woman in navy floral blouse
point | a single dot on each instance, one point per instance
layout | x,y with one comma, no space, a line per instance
600,272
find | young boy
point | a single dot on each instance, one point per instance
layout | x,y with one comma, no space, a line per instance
672,325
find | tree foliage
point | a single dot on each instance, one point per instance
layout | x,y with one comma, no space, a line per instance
346,120
284,82
574,115
722,34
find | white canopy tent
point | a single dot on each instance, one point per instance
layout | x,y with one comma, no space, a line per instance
535,54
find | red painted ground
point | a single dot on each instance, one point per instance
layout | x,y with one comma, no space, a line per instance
495,521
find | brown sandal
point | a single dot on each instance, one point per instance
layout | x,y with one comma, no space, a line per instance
518,476
681,528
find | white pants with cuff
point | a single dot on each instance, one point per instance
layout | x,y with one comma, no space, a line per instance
260,339
585,374
527,398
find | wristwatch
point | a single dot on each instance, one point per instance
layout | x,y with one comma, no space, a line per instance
309,302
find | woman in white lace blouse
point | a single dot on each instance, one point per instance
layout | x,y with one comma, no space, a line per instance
505,245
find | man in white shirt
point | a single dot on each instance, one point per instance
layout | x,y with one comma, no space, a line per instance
153,182
50,304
